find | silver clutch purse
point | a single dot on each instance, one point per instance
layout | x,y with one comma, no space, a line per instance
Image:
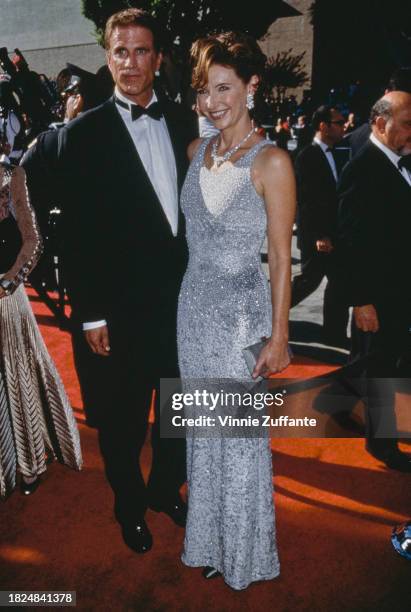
252,352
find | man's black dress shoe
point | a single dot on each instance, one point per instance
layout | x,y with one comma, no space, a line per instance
210,572
176,510
395,460
27,488
398,461
137,536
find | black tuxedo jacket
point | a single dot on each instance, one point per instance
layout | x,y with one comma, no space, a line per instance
317,197
374,234
120,255
357,139
40,163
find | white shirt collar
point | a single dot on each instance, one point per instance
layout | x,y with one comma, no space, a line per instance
393,157
329,156
120,96
321,144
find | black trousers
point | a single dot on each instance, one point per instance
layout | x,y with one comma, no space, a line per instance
314,267
87,368
141,353
384,355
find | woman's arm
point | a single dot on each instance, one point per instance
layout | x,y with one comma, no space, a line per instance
31,247
273,177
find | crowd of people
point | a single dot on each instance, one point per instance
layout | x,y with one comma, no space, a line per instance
160,245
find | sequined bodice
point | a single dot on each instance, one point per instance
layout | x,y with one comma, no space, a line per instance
226,220
225,302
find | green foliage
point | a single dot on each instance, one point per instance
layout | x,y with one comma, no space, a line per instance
186,20
285,71
99,11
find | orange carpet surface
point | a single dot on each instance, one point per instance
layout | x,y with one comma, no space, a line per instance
335,508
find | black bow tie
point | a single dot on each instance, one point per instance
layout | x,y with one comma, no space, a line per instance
154,110
405,162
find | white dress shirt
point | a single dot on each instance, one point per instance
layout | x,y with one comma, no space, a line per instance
152,141
393,157
328,155
153,144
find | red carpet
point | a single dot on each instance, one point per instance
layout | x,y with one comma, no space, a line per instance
335,508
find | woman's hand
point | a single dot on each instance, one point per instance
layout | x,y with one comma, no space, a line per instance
273,358
2,293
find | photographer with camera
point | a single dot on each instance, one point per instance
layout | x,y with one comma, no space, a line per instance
11,121
34,92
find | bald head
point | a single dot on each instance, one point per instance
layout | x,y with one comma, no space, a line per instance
391,121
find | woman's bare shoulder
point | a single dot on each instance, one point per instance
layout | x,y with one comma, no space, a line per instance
272,157
272,166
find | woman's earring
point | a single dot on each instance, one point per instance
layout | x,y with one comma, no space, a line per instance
157,73
250,101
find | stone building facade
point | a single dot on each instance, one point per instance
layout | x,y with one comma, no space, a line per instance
295,34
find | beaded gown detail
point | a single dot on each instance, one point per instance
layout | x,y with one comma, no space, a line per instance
224,306
35,412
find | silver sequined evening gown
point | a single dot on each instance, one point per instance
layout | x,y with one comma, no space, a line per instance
224,306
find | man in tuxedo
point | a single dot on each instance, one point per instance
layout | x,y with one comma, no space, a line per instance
125,255
400,81
317,169
374,226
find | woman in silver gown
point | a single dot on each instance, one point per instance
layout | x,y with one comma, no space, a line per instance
239,188
36,418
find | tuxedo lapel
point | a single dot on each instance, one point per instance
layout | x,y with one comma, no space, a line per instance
174,131
122,151
393,176
125,145
326,168
124,156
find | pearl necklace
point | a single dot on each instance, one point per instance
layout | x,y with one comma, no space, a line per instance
220,159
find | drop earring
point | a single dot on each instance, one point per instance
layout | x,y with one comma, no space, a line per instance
250,101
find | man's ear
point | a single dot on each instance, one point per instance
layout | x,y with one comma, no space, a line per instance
323,126
380,123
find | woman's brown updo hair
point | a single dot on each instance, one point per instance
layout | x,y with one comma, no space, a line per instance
240,52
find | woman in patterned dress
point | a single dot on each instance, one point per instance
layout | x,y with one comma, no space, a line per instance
36,418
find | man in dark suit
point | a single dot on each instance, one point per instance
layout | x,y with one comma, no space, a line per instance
375,221
399,81
125,255
317,169
42,162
